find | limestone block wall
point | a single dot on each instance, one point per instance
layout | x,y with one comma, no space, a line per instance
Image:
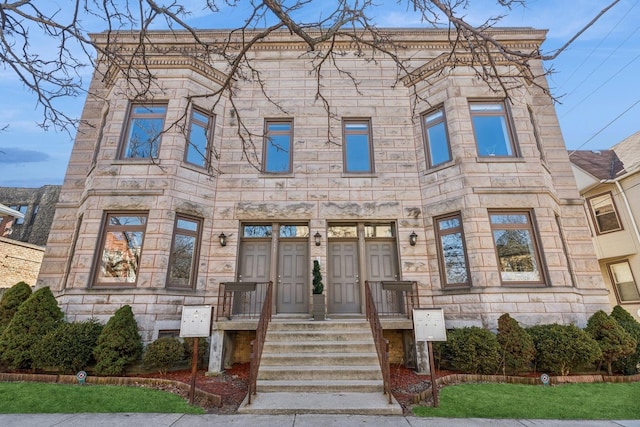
19,262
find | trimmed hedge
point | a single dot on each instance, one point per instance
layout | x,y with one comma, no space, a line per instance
561,349
614,342
628,365
119,344
35,317
516,345
473,349
11,300
69,348
162,354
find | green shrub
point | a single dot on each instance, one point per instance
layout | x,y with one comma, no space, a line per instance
203,351
627,365
613,340
474,350
561,349
516,345
35,317
68,348
11,300
162,354
119,344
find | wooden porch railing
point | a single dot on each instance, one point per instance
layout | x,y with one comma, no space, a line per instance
382,344
258,343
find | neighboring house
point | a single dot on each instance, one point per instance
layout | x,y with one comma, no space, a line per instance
37,205
609,181
19,262
470,195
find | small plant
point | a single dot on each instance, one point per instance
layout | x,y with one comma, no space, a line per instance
35,317
162,354
561,349
517,346
69,348
119,344
11,300
614,342
474,350
203,351
318,287
627,365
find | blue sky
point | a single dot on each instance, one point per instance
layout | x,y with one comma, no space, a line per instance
596,81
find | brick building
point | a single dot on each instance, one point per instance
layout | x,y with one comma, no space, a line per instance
432,179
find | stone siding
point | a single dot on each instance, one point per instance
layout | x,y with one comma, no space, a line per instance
19,262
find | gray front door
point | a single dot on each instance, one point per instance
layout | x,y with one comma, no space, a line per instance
292,287
255,261
344,282
382,266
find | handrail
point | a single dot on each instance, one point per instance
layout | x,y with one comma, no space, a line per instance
258,343
382,344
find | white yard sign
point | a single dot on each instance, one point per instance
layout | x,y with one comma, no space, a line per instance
428,324
196,321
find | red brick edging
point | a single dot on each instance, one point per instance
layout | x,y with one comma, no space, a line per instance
210,399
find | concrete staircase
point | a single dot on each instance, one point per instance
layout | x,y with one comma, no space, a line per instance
320,367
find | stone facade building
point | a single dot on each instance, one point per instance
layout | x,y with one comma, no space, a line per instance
37,205
428,177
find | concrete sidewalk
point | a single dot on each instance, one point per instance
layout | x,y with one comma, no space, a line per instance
303,420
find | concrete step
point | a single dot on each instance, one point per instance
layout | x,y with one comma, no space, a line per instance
296,325
321,403
285,372
320,386
317,347
313,359
318,335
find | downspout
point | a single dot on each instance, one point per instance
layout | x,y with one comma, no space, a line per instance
625,199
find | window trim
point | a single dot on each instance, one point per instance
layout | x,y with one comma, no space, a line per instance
95,283
614,285
506,113
195,260
265,143
425,135
124,138
441,265
594,217
345,133
209,128
535,241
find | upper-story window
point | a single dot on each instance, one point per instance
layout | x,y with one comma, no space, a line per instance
277,156
183,262
435,138
200,133
452,253
23,210
604,213
516,247
144,128
492,130
623,281
120,249
357,147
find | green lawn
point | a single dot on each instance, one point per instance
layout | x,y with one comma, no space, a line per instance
596,401
29,398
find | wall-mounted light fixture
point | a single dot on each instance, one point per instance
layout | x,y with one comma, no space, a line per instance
413,238
318,238
223,239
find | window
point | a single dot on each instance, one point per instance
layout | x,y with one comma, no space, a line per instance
514,238
257,231
604,213
287,230
435,138
23,210
183,261
36,208
491,129
120,249
358,157
200,132
623,282
452,251
142,140
277,146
